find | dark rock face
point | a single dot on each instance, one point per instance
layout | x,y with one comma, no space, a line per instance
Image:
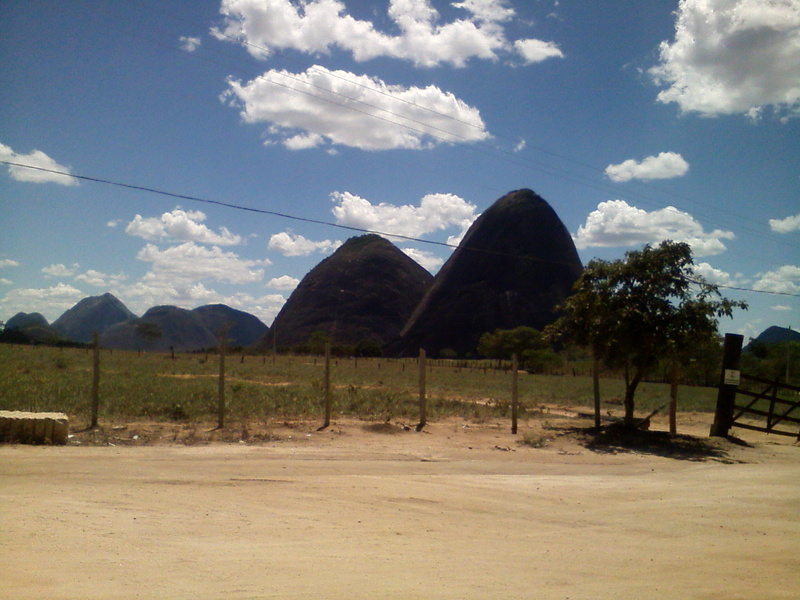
24,328
514,266
96,313
243,328
366,290
23,320
160,329
771,335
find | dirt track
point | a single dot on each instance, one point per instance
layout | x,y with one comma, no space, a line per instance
454,512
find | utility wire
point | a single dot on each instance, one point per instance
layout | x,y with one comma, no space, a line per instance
263,211
595,169
366,108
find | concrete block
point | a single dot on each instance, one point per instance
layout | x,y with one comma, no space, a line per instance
33,428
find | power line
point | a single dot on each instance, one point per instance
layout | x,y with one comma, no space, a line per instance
498,152
365,108
263,211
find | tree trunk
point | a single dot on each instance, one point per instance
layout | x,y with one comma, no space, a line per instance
630,391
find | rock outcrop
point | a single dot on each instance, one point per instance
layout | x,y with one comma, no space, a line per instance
366,290
243,328
26,328
92,314
514,266
161,328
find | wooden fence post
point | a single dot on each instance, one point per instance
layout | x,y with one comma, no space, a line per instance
596,390
327,385
673,399
514,392
726,396
423,417
95,378
221,388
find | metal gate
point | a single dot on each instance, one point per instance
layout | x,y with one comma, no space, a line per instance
757,397
765,401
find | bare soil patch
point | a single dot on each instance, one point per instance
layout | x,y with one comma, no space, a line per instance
363,510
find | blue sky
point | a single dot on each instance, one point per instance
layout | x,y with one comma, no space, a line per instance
637,121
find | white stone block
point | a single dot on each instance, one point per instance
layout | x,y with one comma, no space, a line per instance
33,427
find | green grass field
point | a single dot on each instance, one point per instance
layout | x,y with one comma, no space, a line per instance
155,386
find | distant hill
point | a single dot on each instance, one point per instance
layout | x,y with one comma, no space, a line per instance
364,291
92,314
24,320
777,335
243,328
24,328
160,329
514,266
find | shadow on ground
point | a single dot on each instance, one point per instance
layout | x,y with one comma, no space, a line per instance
617,438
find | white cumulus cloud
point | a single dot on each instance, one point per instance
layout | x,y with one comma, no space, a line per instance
785,279
534,51
189,44
781,308
664,166
52,302
419,34
284,282
320,106
8,262
189,262
435,212
60,270
180,225
616,223
712,275
290,244
35,159
427,260
786,225
101,280
732,56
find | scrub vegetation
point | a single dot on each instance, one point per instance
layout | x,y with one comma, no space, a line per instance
184,387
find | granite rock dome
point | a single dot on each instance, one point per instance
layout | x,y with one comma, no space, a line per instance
366,290
514,266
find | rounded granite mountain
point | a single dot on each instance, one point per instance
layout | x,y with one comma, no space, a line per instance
23,320
160,329
366,290
90,315
514,266
24,328
241,327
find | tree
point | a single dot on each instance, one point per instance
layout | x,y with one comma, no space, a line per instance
369,347
634,312
777,361
317,341
148,331
522,341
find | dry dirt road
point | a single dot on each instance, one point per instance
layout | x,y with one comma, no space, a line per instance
458,511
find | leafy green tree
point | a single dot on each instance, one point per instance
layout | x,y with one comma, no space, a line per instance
776,362
317,342
633,312
368,347
503,343
148,331
538,361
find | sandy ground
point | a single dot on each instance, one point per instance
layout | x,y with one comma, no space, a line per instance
458,511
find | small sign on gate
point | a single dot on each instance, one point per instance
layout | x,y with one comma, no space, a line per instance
732,377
